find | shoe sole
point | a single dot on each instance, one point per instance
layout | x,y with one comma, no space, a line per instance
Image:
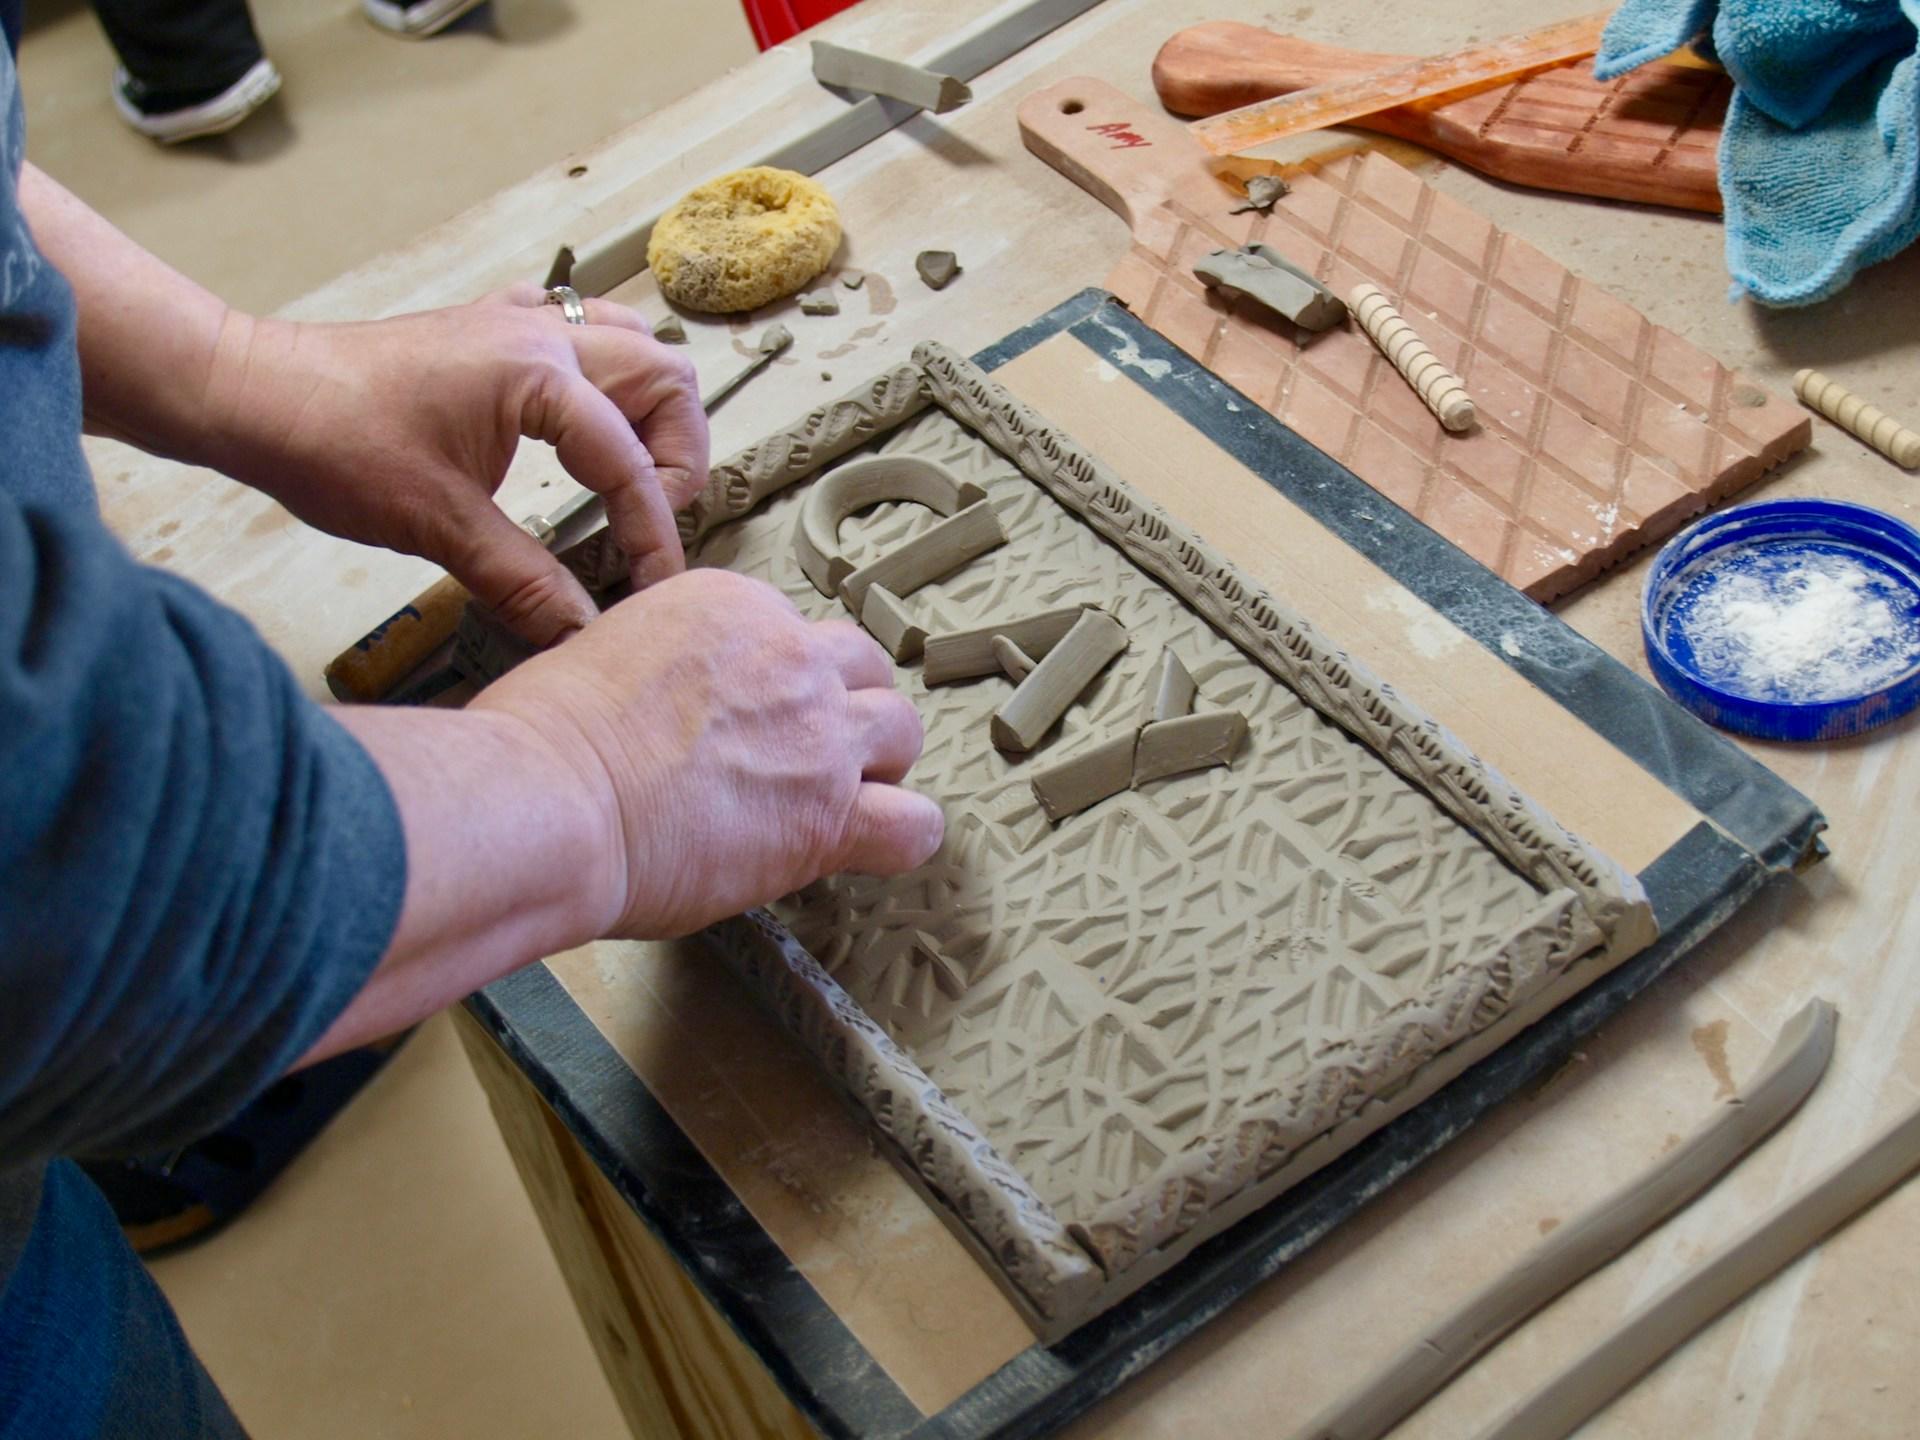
417,22
212,117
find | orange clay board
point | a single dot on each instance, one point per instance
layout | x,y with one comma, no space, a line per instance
1599,432
1651,136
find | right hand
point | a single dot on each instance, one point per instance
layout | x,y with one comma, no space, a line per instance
733,751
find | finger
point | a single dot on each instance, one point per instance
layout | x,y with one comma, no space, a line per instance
658,390
887,732
891,831
613,313
861,663
514,575
598,448
522,293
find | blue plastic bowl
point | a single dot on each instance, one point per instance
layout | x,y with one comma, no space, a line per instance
1788,619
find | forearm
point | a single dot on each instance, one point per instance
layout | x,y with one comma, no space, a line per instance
149,336
510,858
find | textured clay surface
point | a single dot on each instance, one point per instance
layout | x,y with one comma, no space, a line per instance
1136,974
1599,432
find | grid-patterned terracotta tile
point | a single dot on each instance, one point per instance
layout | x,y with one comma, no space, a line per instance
1599,432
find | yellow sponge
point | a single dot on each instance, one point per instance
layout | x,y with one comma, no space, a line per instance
751,236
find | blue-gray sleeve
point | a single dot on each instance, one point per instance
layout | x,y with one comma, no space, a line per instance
199,867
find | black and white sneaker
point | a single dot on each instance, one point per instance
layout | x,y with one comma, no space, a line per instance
172,116
417,19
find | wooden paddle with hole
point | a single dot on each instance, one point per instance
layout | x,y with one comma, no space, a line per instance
1651,136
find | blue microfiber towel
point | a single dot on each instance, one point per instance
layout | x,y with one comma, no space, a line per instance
1820,156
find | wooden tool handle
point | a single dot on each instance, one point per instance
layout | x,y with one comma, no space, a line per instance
1223,65
365,673
1112,146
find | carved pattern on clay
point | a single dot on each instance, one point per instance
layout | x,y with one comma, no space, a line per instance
818,438
937,1144
1525,836
1162,1005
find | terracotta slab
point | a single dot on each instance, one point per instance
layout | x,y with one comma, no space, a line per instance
1599,431
1651,136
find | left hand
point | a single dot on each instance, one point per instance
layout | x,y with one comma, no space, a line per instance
398,432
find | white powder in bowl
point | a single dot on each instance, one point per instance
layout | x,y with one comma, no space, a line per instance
1799,623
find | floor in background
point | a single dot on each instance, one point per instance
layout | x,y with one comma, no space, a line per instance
372,139
394,1283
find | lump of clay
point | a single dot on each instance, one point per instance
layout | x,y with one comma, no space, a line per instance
1266,277
1262,191
937,267
820,302
747,238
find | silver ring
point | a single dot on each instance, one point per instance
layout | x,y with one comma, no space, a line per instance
568,299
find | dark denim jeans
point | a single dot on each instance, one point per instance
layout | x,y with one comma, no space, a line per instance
181,47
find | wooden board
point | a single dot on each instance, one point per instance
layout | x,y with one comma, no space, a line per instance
1599,431
879,1326
728,1147
1651,136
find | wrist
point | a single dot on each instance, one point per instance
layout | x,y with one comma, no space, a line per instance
238,397
587,846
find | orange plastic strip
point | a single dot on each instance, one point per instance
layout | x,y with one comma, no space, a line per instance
1343,100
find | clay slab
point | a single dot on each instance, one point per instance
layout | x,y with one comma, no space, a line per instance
1104,1089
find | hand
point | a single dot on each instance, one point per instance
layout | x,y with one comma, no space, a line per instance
397,433
736,752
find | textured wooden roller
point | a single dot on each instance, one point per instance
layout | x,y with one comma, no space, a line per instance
1439,388
1854,415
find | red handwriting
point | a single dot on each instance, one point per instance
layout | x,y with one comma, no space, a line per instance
1123,137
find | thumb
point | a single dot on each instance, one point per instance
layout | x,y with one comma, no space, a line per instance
891,831
515,576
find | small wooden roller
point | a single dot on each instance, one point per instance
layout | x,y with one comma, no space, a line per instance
1438,387
1869,422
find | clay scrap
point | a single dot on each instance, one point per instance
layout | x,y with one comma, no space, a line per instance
820,302
1095,641
897,80
853,279
671,331
775,339
937,267
1262,192
1266,277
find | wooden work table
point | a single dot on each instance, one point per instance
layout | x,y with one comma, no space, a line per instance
1823,1350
